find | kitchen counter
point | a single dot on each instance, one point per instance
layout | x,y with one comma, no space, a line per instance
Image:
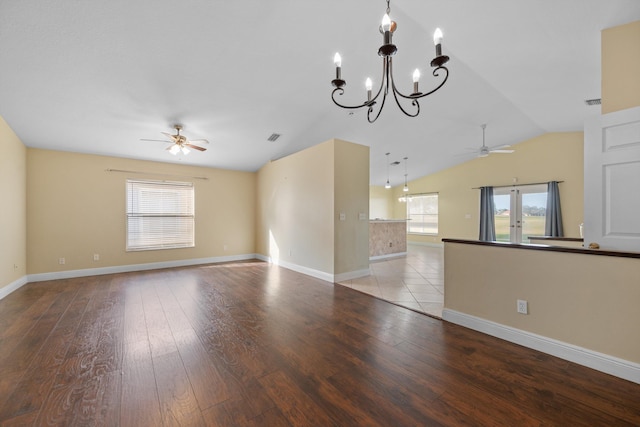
387,238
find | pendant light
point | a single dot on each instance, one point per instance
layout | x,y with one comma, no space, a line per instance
387,185
406,187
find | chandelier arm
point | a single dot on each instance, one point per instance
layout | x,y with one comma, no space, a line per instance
384,78
353,107
396,92
368,103
414,102
435,74
384,83
384,98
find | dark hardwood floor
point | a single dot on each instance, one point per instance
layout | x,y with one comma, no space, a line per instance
250,344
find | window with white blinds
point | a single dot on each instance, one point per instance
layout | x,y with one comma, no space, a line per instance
160,215
422,212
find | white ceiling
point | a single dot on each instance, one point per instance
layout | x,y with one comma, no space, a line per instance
97,76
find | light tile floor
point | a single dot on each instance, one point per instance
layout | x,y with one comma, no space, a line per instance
415,281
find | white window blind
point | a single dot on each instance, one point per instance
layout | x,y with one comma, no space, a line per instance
422,211
160,215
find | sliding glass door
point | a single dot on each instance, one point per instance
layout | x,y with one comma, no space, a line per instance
520,212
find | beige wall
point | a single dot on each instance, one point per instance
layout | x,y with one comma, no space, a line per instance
13,187
300,198
620,67
381,203
77,209
549,157
295,209
351,197
585,300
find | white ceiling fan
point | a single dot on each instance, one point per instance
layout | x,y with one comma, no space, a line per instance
180,143
484,151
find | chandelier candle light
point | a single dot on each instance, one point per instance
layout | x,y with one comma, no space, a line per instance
386,51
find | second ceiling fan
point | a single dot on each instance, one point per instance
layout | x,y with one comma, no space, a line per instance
484,151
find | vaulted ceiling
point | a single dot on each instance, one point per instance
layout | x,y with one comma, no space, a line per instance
96,77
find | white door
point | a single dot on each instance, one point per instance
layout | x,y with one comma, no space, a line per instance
612,179
520,212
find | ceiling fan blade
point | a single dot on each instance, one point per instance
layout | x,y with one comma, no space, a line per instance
195,147
156,140
199,141
172,137
498,147
502,151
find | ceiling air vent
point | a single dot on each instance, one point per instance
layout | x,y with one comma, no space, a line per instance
595,101
274,136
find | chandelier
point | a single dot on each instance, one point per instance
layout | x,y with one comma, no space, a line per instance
386,51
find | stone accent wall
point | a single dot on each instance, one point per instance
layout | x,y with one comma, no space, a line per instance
387,237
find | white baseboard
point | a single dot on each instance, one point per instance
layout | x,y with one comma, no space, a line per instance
592,359
69,274
327,277
387,256
351,275
135,267
15,285
263,258
432,245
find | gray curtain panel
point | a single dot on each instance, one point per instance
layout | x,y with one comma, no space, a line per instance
487,212
553,223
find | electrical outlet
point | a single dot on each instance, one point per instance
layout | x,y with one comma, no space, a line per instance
522,307
96,257
61,261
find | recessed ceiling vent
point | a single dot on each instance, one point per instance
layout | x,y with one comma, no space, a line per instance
274,136
596,101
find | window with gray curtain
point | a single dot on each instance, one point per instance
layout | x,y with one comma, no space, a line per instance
553,222
487,213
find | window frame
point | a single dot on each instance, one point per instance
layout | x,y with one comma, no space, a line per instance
170,218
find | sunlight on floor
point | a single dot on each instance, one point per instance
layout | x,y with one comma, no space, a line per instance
414,281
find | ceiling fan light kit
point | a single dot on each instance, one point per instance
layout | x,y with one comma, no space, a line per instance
386,51
180,143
